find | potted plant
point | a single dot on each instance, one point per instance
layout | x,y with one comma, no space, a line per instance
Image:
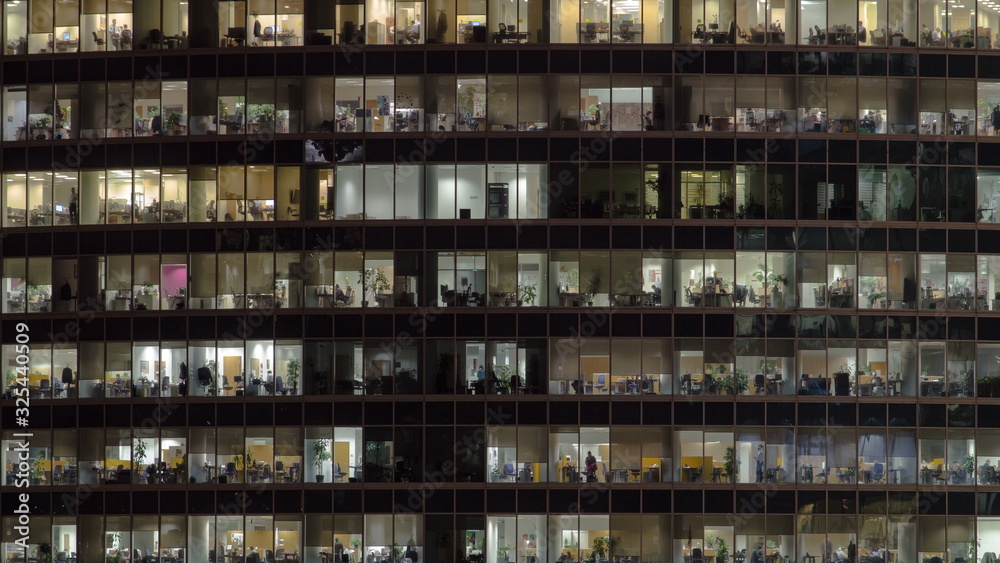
293,367
44,553
729,463
36,472
600,548
630,283
721,550
173,122
263,115
986,386
11,382
373,282
467,101
321,453
244,461
41,122
504,553
766,277
213,385
969,465
138,457
593,286
505,376
356,543
527,294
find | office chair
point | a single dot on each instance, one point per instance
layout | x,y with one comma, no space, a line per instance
338,474
696,556
155,37
740,295
842,384
759,383
599,386
97,40
44,387
508,472
225,384
268,556
878,472
590,35
987,475
279,472
633,387
939,475
230,471
279,386
624,32
238,380
402,472
253,557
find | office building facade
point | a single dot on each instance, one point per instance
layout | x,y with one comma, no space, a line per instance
504,281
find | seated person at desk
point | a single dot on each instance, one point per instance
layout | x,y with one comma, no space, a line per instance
340,295
254,210
713,283
413,34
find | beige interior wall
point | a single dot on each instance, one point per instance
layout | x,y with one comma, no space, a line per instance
231,366
342,455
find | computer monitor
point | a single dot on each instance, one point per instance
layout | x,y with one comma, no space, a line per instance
268,203
59,209
237,33
66,36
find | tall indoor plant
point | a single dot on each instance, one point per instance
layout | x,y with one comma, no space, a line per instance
321,453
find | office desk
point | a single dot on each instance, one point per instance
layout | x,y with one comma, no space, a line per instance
512,37
773,37
600,34
774,385
841,37
631,300
932,386
690,474
146,388
570,299
841,300
567,472
171,41
717,300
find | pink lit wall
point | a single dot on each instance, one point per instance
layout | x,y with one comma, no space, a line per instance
173,277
